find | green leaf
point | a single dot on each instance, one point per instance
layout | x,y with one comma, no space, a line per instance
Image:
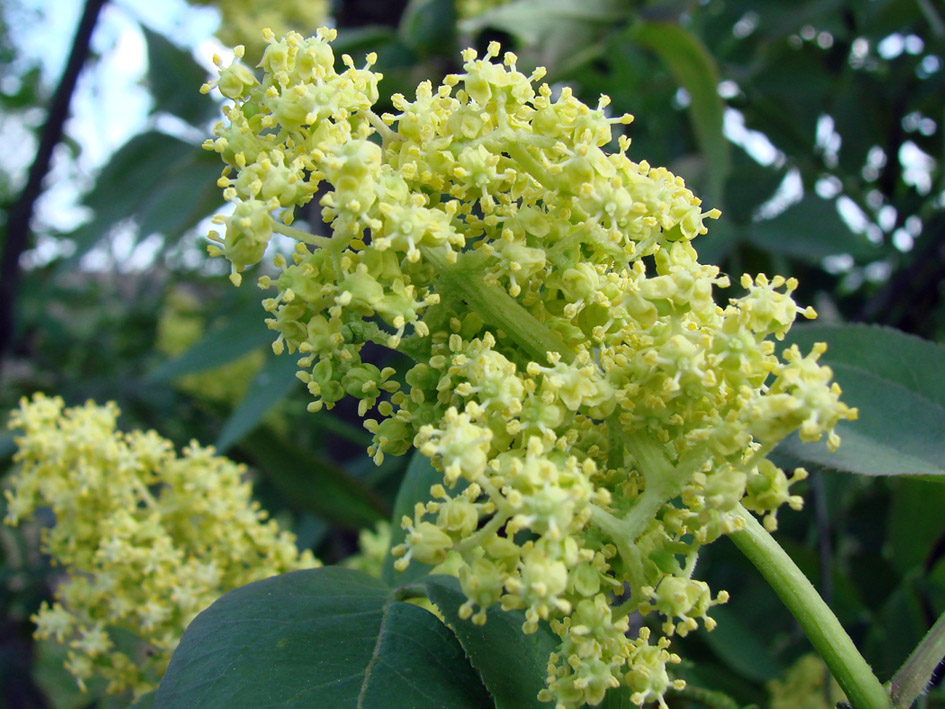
741,647
7,446
415,488
896,629
328,637
270,386
238,335
895,381
313,484
175,78
187,194
749,185
145,701
356,40
428,26
809,230
916,522
532,20
513,665
694,69
165,184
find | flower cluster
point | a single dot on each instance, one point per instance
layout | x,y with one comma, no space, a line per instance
596,415
373,546
147,539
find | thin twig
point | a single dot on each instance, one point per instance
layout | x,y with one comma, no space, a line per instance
21,214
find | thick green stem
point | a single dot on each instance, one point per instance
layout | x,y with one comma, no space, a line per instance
916,672
519,153
464,281
303,236
819,623
487,531
664,481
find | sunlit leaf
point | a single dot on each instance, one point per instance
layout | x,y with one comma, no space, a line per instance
531,20
175,78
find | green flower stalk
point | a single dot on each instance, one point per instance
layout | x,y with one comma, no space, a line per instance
146,538
596,416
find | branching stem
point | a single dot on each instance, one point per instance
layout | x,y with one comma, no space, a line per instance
916,673
305,237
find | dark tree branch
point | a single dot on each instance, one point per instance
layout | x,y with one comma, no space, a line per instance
21,214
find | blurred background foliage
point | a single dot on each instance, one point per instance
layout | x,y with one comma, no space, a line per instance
816,127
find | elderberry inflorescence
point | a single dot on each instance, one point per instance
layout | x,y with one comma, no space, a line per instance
596,416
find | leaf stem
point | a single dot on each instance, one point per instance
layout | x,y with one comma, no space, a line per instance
664,481
519,153
303,236
464,281
819,623
916,672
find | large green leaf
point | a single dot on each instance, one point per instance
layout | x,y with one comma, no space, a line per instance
175,78
164,184
313,484
271,385
895,381
188,193
809,230
428,26
238,335
414,488
328,637
749,185
513,665
694,69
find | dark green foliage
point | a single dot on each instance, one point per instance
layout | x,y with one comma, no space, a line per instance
325,637
874,545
